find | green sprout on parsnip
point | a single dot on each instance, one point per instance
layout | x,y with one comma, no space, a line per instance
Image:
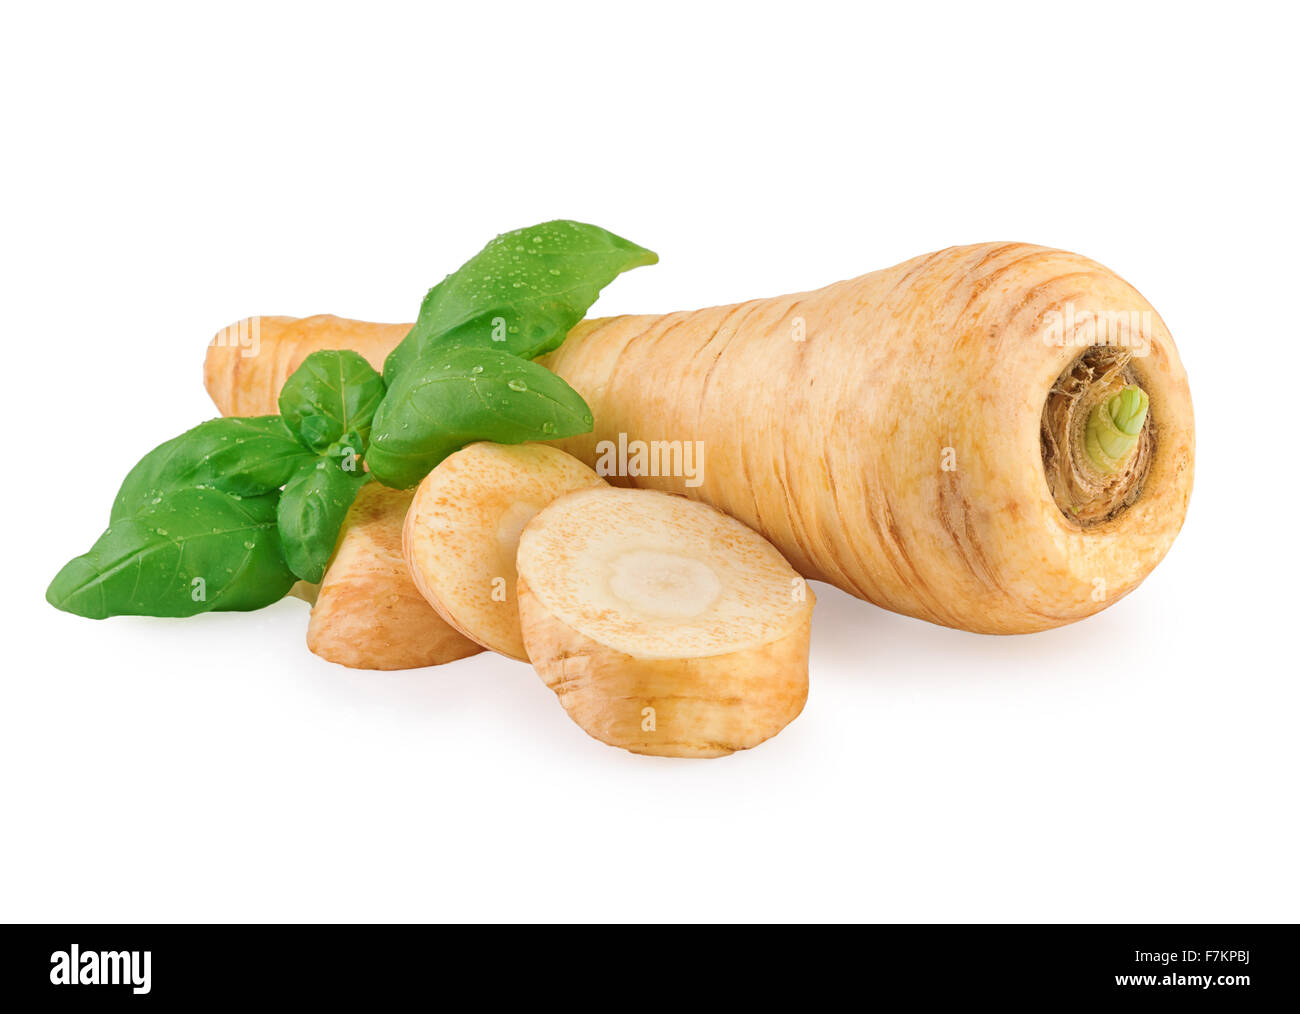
1114,427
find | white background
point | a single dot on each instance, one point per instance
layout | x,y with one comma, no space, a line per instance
169,169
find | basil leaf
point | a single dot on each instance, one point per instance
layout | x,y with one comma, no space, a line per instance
311,512
331,397
456,396
195,550
521,294
246,457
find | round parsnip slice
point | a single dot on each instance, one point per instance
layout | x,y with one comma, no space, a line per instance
463,528
663,625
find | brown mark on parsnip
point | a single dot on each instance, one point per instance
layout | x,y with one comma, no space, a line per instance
858,590
880,516
789,314
826,567
721,327
749,484
1031,297
915,271
998,250
745,311
566,677
956,519
704,347
650,336
981,284
891,539
678,377
781,466
794,514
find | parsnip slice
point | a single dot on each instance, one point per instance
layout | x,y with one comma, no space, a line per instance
663,625
368,613
463,528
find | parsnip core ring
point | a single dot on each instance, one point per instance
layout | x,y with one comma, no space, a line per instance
658,576
663,585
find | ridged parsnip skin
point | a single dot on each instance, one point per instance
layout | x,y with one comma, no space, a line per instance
463,528
835,446
368,613
669,682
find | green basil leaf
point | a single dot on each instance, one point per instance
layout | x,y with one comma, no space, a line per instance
453,397
193,551
246,457
311,512
521,294
331,397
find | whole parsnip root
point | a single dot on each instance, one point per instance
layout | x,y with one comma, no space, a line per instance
663,626
462,533
368,613
939,437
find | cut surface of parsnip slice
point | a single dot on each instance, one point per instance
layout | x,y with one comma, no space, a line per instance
663,625
463,528
368,613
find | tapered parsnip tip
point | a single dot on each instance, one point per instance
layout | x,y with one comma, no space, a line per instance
664,626
462,532
368,613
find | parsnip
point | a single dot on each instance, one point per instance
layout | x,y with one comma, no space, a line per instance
368,613
919,436
462,532
663,626
249,361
